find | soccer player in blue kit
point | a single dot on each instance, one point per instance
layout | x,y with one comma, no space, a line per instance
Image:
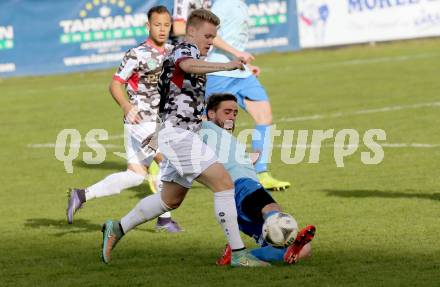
254,204
230,43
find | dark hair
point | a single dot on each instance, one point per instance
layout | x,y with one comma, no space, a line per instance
216,99
157,9
199,16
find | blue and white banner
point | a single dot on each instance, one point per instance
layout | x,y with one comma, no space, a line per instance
339,22
8,49
273,25
48,37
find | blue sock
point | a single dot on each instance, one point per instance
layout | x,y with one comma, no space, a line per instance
261,143
269,253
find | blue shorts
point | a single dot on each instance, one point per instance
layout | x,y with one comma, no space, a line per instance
243,88
244,187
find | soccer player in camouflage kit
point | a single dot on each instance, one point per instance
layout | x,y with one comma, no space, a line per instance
138,74
187,158
230,42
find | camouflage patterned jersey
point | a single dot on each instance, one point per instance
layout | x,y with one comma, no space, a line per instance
139,71
182,100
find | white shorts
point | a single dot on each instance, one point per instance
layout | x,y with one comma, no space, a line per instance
133,137
186,156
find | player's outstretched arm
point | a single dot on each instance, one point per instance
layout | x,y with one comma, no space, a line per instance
193,66
219,43
118,93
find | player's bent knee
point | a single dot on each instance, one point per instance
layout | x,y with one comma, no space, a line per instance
262,118
172,194
138,169
216,178
222,175
260,111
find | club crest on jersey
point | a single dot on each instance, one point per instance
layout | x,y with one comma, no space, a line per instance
152,64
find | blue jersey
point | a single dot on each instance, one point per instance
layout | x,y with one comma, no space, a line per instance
234,30
229,151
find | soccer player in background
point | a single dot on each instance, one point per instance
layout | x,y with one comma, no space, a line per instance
138,77
187,158
254,204
230,43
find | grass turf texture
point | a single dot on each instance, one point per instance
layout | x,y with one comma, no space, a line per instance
376,225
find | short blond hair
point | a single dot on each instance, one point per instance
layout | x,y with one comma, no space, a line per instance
200,16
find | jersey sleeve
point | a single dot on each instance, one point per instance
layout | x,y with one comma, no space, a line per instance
180,11
129,64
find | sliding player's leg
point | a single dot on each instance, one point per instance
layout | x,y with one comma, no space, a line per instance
254,206
299,249
218,180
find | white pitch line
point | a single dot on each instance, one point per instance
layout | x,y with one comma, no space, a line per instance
120,136
359,112
386,145
355,62
307,118
53,145
382,60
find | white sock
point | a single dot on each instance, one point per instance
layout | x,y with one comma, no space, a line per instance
159,189
114,184
166,215
226,214
148,208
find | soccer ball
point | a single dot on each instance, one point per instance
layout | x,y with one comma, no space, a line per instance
280,229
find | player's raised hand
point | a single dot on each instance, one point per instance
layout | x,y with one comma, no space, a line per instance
131,114
237,63
254,69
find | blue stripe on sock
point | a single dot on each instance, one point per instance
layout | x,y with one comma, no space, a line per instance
269,253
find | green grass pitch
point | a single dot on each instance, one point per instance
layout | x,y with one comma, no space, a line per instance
377,225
